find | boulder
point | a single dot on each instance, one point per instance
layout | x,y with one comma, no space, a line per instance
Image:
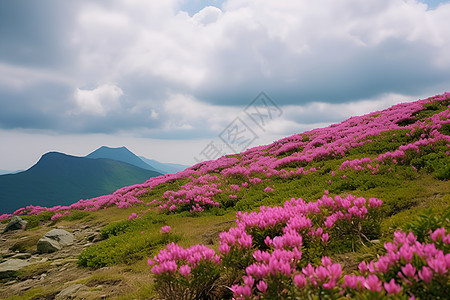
54,240
74,291
9,267
15,224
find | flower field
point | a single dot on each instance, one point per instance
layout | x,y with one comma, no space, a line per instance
358,209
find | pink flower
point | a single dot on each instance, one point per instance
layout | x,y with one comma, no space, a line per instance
165,229
426,274
326,261
362,267
438,234
409,270
268,189
248,280
262,286
325,237
353,281
185,270
372,283
392,287
245,240
300,280
335,271
224,248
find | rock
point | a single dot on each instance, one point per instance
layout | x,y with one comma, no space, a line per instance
6,253
22,256
73,291
9,267
54,240
15,224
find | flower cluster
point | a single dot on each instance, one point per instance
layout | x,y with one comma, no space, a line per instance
266,251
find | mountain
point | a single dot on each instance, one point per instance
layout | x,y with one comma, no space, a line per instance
121,154
166,168
2,172
60,179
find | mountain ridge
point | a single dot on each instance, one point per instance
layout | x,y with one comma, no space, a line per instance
59,178
120,154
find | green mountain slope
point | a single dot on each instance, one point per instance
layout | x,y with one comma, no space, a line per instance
60,179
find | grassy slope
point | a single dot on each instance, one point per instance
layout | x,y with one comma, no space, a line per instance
406,195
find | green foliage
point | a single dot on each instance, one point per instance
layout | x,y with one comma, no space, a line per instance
135,225
35,221
114,229
77,215
127,241
197,285
124,248
427,222
435,162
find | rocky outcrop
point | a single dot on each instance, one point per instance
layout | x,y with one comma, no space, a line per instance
74,291
54,240
15,224
9,267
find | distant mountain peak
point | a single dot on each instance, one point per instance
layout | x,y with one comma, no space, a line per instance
122,154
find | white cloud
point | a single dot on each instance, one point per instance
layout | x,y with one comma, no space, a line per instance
186,112
183,75
283,45
208,15
99,100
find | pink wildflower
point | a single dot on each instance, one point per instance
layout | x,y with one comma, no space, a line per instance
165,229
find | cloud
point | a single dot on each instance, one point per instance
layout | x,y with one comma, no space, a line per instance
99,100
177,70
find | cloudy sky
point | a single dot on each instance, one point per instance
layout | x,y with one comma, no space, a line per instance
165,78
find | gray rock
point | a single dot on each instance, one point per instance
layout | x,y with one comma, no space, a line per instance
54,240
9,267
22,255
15,224
73,291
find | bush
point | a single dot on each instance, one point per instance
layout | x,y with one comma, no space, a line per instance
123,248
279,267
428,222
36,220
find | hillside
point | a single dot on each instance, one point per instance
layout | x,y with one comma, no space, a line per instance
121,154
60,179
355,210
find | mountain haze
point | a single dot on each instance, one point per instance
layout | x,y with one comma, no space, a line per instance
164,167
60,179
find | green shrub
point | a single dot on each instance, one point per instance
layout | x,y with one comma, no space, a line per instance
427,222
124,248
76,215
135,225
36,220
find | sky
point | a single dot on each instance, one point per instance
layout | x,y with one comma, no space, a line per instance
169,79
